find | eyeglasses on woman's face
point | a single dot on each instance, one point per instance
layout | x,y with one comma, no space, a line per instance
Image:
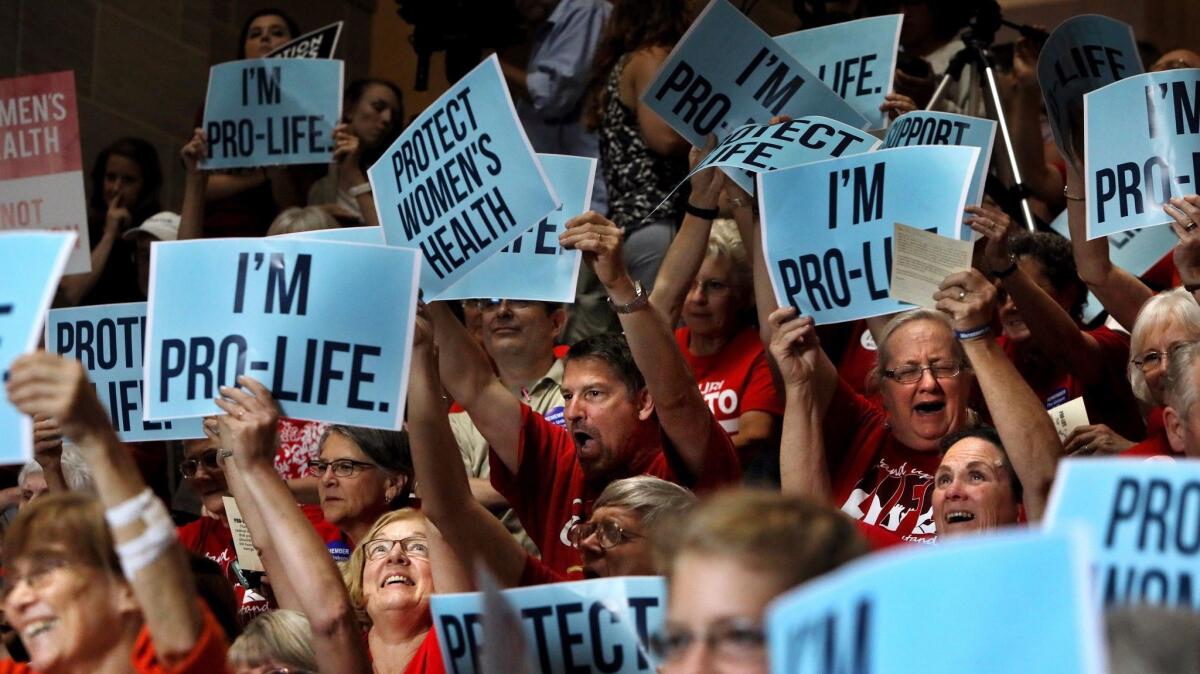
189,467
608,533
341,467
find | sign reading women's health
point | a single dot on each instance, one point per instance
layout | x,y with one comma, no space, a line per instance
266,112
1143,148
942,128
726,72
1144,521
41,172
326,326
857,59
108,340
31,264
827,226
998,602
462,181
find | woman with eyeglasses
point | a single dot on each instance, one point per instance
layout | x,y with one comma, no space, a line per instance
362,473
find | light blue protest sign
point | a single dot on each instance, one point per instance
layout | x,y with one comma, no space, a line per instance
1143,148
827,226
326,326
1084,53
1029,610
1143,517
726,72
462,181
534,266
265,112
942,128
369,235
755,148
30,265
857,59
109,340
589,625
1135,251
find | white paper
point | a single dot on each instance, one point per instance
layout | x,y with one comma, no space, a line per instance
1069,416
921,260
247,554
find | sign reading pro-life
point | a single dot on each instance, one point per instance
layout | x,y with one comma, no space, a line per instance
462,181
264,112
108,340
326,326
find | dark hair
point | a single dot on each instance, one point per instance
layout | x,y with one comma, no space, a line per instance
293,27
992,437
1053,252
212,585
387,449
354,92
613,349
142,153
633,25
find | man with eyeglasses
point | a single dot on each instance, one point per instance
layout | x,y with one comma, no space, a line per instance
631,408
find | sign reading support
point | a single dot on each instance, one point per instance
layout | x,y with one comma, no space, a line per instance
535,267
462,181
726,72
856,59
31,264
41,172
942,128
1029,611
1144,521
1143,148
326,326
827,226
319,44
109,340
588,625
265,112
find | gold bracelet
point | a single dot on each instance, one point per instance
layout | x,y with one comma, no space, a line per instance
1070,196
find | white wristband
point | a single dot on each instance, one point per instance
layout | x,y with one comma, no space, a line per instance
359,190
160,534
124,514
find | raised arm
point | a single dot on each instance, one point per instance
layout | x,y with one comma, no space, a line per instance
1025,105
640,71
291,548
1185,222
73,288
195,187
158,573
803,469
1021,420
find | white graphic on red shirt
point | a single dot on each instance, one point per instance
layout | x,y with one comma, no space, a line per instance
896,499
576,517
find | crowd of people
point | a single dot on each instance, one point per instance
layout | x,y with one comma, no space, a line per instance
674,421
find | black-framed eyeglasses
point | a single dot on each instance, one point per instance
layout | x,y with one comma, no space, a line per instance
493,304
730,639
341,467
608,533
413,546
909,374
189,467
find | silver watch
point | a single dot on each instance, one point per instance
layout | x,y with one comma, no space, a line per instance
640,300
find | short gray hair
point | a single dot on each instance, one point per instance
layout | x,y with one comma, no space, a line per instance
75,469
1170,306
276,637
724,241
1181,377
308,219
653,499
884,354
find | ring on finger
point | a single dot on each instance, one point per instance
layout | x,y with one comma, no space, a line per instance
1190,227
962,294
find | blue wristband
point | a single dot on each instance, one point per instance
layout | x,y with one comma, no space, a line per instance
974,333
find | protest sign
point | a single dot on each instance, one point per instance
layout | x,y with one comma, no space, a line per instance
462,181
41,172
1068,416
318,44
725,72
588,625
534,266
264,112
109,341
371,235
1143,148
921,260
326,326
855,58
827,226
922,127
31,264
1084,53
243,542
755,148
1020,603
1143,517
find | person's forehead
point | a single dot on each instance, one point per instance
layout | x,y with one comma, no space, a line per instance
195,448
620,514
589,371
401,529
268,21
338,446
920,338
1163,335
972,452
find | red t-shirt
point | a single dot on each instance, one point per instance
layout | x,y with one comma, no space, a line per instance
549,492
1109,401
1156,442
858,360
875,478
734,380
428,658
206,657
536,572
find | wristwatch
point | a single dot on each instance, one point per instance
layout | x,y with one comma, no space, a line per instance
640,301
359,190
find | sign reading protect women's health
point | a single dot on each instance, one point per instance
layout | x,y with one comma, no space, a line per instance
326,326
41,171
462,181
31,264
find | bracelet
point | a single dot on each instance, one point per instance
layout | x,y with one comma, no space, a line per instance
1191,287
1007,271
739,202
128,512
1070,196
359,190
974,333
138,553
703,213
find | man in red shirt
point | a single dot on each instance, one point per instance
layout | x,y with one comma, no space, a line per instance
631,408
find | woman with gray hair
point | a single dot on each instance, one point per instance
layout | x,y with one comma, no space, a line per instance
276,640
362,473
